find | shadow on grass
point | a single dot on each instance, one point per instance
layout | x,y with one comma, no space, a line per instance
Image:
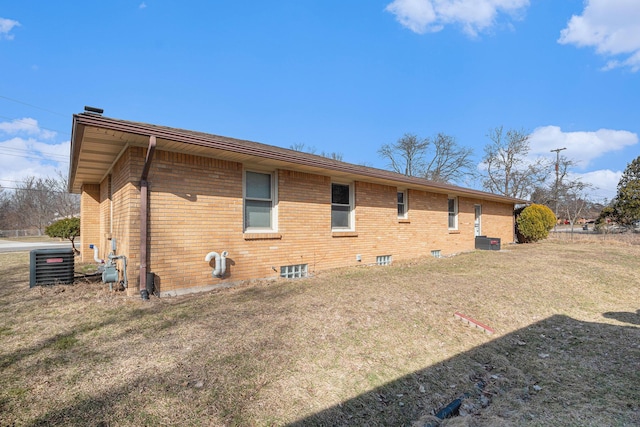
624,316
59,341
559,371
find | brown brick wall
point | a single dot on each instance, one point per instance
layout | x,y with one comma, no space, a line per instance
196,206
90,222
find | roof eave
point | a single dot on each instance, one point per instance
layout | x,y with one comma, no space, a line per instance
82,120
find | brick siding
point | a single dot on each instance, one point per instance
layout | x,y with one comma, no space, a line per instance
196,206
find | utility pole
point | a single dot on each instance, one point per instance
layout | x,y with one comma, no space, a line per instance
557,151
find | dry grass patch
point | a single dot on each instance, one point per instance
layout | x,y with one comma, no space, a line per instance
359,346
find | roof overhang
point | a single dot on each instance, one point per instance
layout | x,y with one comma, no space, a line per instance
97,142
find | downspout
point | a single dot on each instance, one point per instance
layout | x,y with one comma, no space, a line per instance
144,215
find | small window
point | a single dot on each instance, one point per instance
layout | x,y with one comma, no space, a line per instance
259,201
453,213
293,271
383,260
341,207
402,204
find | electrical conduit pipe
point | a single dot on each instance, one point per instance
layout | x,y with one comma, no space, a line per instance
220,266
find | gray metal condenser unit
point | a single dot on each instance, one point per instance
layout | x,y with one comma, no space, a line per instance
51,266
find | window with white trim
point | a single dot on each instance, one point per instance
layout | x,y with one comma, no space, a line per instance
341,207
403,207
259,201
453,213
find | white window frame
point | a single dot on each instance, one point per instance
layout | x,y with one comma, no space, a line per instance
351,225
455,213
477,217
405,204
273,227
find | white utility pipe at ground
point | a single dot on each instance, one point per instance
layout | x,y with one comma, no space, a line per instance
95,254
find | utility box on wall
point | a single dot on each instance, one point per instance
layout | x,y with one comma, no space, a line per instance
51,266
488,243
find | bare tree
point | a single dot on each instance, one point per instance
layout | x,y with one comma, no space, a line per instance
568,196
407,155
66,204
543,195
439,159
450,161
508,170
573,200
33,202
4,209
37,202
333,155
301,146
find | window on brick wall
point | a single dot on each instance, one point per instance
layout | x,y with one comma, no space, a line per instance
403,207
383,260
341,207
293,271
259,201
453,213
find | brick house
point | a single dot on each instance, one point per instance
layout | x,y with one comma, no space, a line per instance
171,197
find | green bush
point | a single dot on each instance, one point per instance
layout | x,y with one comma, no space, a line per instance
534,222
66,228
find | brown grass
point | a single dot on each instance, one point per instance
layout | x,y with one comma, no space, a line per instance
360,346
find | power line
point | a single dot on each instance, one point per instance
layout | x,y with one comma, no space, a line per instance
34,152
33,106
34,157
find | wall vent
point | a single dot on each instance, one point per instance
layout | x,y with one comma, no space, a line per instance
383,260
293,271
436,254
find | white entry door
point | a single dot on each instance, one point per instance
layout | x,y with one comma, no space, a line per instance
477,229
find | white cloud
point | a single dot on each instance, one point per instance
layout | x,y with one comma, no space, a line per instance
26,126
582,146
422,16
23,157
142,5
612,27
28,151
604,183
6,25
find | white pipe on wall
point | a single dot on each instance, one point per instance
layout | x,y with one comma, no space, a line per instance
220,266
95,254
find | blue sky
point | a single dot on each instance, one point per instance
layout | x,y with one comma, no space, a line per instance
338,76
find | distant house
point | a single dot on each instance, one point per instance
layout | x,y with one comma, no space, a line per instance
171,197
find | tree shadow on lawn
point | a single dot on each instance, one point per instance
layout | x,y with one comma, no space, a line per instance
559,371
624,316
